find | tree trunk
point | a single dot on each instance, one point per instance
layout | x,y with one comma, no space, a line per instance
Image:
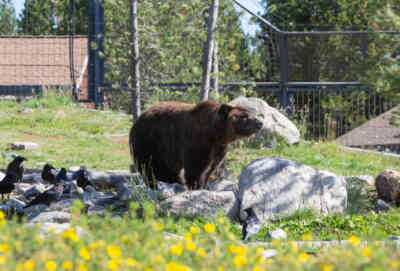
208,52
134,72
215,70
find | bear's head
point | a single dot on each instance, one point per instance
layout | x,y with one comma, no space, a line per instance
239,121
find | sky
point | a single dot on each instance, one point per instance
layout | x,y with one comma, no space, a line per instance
252,5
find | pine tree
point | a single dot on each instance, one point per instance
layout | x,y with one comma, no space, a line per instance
8,19
38,18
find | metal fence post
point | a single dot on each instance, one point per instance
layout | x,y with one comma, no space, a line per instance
284,70
95,49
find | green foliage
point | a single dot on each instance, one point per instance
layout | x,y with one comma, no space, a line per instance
8,18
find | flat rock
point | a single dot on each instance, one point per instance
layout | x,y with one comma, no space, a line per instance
223,185
54,217
202,203
24,146
275,188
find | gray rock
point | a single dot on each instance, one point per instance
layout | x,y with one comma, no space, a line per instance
382,206
15,203
123,191
202,203
63,205
96,210
49,227
166,190
277,234
274,121
32,178
9,155
278,187
24,146
269,253
34,190
54,217
223,185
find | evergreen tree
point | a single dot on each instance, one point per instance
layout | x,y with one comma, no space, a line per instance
8,19
38,18
63,15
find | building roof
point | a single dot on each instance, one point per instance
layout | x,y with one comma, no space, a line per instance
373,133
40,60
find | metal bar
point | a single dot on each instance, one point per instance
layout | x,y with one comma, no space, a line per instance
307,33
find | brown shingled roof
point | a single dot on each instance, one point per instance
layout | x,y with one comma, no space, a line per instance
373,133
33,60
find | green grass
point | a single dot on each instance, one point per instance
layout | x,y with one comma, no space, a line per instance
71,135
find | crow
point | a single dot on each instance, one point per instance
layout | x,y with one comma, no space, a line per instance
251,225
7,184
49,173
16,168
54,193
82,177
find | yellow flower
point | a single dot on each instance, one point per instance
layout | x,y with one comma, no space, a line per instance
2,215
194,230
157,226
82,267
209,227
190,245
295,248
395,264
172,266
257,268
2,259
2,222
20,267
4,247
67,265
326,267
112,265
201,252
158,259
114,252
217,252
84,253
71,235
240,260
238,250
177,249
51,265
187,236
29,265
221,268
366,252
235,67
303,257
307,237
130,262
354,240
259,251
221,220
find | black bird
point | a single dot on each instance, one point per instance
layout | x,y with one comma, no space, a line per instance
82,177
52,194
16,168
251,225
49,173
7,184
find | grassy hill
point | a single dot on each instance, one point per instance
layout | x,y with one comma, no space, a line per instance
70,135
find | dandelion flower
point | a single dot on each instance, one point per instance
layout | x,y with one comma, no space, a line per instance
177,249
82,267
190,245
114,252
257,268
188,236
326,267
51,265
2,259
354,240
67,265
29,265
4,247
2,215
367,252
112,265
130,262
209,228
194,230
201,252
303,257
84,253
307,237
240,261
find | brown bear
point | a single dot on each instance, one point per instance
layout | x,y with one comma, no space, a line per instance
183,143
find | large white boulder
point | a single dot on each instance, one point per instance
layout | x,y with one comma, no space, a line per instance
274,122
277,187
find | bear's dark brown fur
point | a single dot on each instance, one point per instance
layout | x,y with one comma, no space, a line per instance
184,143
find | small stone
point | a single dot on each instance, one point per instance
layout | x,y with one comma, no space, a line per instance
15,203
269,253
34,190
24,146
382,206
9,155
55,217
277,234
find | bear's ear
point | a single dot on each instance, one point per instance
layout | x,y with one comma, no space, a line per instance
224,110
